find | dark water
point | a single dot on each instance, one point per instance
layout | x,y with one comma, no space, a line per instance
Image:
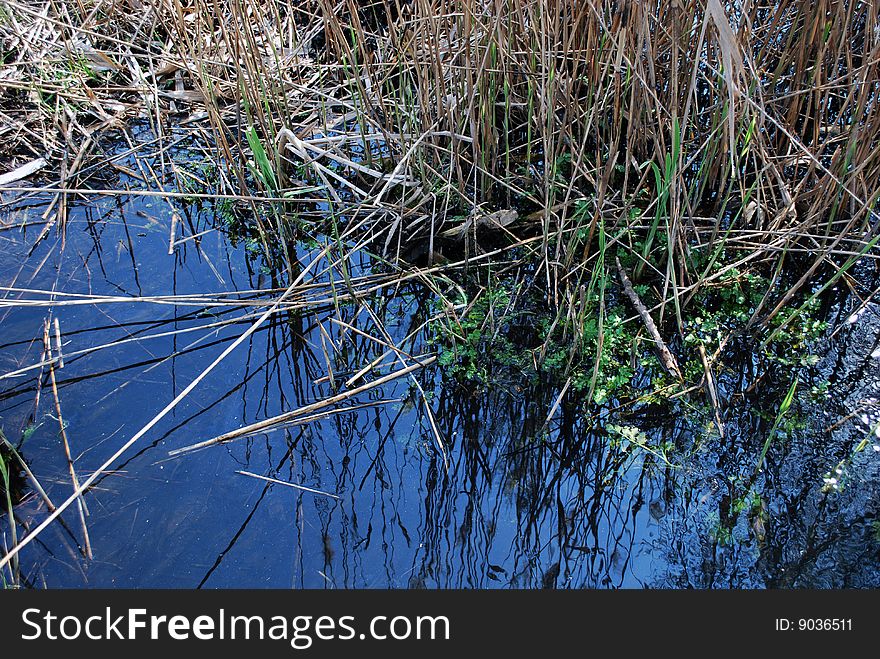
516,506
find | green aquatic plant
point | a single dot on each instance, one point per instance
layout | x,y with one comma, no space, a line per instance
261,167
783,410
476,345
6,481
632,439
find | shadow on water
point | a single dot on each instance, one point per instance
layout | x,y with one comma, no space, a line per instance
649,498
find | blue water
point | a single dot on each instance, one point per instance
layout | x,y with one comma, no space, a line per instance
507,502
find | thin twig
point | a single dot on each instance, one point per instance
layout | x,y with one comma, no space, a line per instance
288,484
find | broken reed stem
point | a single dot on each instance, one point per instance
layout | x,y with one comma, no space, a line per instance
288,484
81,504
666,356
172,238
293,415
713,391
58,343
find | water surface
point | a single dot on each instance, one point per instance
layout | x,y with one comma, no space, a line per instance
509,501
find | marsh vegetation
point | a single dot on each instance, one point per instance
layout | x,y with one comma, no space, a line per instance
555,293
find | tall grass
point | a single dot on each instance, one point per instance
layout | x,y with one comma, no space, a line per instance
688,126
670,115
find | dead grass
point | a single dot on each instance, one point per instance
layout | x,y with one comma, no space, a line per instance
697,121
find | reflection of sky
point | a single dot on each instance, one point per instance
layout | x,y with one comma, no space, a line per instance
573,510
